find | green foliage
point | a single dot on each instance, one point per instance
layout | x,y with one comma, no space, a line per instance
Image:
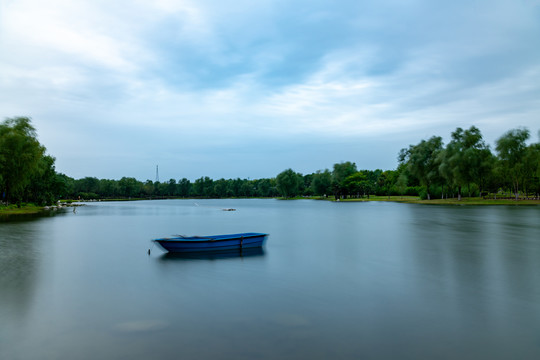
26,173
465,160
20,153
45,185
467,163
423,161
128,187
184,187
358,183
321,183
339,175
288,183
531,174
426,169
512,149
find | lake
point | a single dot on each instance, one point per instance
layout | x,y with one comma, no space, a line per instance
368,280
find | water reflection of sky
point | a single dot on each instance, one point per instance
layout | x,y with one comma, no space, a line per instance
19,273
378,280
481,266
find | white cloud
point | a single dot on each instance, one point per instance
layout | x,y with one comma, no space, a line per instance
64,28
266,70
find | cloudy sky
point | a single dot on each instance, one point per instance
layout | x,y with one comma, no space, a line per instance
250,88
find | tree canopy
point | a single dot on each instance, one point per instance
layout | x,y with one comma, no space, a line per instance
512,149
26,172
429,168
467,161
288,183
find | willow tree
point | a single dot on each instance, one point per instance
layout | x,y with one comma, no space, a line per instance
340,173
511,149
45,186
465,159
422,161
321,182
531,173
287,183
20,154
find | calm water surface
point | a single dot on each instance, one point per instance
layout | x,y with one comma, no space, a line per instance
335,280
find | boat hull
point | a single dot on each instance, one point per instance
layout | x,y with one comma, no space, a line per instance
212,243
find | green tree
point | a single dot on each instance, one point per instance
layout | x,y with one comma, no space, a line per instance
387,182
208,187
198,187
287,183
465,159
204,187
357,183
339,174
44,186
483,172
67,186
108,188
20,154
87,185
401,183
511,149
171,187
531,161
321,183
445,170
422,161
149,188
129,186
221,187
184,187
264,188
247,189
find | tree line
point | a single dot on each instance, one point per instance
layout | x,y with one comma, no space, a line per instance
204,187
287,184
466,165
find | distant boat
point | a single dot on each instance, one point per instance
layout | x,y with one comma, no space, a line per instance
184,244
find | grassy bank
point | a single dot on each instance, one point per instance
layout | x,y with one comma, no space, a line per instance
28,209
453,201
417,200
23,210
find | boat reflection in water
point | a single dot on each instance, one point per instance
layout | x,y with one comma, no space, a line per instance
214,255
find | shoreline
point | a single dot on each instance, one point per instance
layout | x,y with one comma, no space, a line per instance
31,209
465,201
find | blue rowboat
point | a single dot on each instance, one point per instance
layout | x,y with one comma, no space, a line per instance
212,243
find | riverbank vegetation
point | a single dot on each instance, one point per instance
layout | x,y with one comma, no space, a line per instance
27,173
20,209
428,172
467,166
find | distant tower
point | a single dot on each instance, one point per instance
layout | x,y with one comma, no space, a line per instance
157,173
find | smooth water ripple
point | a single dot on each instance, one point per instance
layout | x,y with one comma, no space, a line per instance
335,280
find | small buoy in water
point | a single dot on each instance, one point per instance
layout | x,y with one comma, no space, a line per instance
148,251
